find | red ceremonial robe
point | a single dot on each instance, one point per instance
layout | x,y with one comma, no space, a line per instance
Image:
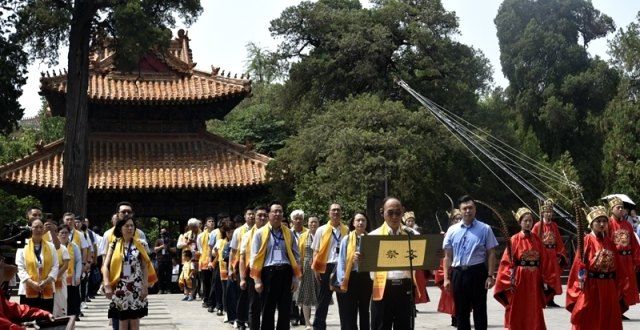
553,250
628,255
597,305
421,283
524,300
12,314
445,305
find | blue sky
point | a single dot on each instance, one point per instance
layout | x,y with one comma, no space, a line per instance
220,35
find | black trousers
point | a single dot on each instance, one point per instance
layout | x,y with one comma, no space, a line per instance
231,299
216,290
242,307
44,304
73,300
205,279
255,304
324,298
276,284
84,285
355,302
394,310
164,275
469,294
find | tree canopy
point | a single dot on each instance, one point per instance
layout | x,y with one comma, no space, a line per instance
339,48
13,62
558,91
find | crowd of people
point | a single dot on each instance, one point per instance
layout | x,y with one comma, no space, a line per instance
248,268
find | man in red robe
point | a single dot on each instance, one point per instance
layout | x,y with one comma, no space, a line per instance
594,289
12,313
554,251
523,276
628,252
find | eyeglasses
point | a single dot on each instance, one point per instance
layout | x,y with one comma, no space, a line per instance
394,213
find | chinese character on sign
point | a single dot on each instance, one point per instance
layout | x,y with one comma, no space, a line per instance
411,254
392,254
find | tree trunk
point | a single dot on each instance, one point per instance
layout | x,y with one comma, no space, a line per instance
76,141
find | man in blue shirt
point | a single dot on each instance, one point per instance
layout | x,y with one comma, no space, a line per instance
467,246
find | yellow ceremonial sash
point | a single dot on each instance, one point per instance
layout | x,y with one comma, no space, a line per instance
224,272
258,262
247,247
206,250
71,270
236,255
302,245
32,268
117,259
351,251
320,261
380,278
75,237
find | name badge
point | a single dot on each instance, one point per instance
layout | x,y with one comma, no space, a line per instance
126,270
278,254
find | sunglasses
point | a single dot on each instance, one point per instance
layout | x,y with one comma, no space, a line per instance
394,213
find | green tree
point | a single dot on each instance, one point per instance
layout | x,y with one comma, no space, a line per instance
360,143
13,208
255,122
621,164
13,62
136,26
339,48
557,90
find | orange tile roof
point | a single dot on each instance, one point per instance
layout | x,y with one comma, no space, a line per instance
169,77
115,88
146,161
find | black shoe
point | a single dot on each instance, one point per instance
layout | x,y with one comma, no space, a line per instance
454,321
210,309
552,304
78,319
294,323
220,312
624,318
87,300
81,314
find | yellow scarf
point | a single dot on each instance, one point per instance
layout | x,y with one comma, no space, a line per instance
76,238
117,260
351,251
224,272
302,245
247,246
320,261
206,250
380,278
71,270
258,262
236,255
32,268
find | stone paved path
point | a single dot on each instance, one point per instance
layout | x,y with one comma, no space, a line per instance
168,312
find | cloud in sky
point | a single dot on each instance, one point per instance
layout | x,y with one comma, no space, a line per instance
220,35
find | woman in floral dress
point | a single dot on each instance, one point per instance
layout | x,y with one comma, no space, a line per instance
128,274
308,285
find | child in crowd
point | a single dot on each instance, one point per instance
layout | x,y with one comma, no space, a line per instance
186,276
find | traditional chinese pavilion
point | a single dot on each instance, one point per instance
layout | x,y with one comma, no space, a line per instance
148,141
